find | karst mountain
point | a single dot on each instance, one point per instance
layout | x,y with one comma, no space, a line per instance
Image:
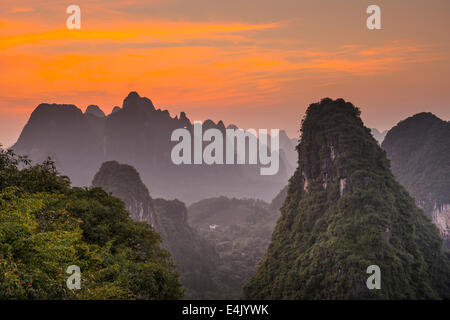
344,212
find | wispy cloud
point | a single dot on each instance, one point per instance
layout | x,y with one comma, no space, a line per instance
154,32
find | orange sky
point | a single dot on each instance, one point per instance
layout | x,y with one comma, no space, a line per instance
254,63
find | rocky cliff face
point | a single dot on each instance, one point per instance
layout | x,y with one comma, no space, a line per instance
419,150
344,212
140,135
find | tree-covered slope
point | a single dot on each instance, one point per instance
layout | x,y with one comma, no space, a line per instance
345,211
419,151
47,226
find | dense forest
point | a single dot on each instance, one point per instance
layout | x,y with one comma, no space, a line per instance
345,211
46,226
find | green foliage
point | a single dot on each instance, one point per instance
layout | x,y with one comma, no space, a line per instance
344,212
45,226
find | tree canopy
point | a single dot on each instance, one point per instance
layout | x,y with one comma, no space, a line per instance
46,226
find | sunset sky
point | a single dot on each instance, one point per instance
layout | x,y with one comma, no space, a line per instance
254,63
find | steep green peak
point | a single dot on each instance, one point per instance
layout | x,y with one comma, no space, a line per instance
335,146
345,213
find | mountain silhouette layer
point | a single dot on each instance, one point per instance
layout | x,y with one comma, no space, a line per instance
344,212
419,150
138,134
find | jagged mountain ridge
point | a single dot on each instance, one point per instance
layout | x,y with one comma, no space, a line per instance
344,211
138,134
419,150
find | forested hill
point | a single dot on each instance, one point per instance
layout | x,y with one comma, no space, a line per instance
419,150
344,212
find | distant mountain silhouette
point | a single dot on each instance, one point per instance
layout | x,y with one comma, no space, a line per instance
115,109
95,110
138,134
419,150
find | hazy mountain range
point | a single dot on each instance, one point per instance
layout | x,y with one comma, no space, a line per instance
138,134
